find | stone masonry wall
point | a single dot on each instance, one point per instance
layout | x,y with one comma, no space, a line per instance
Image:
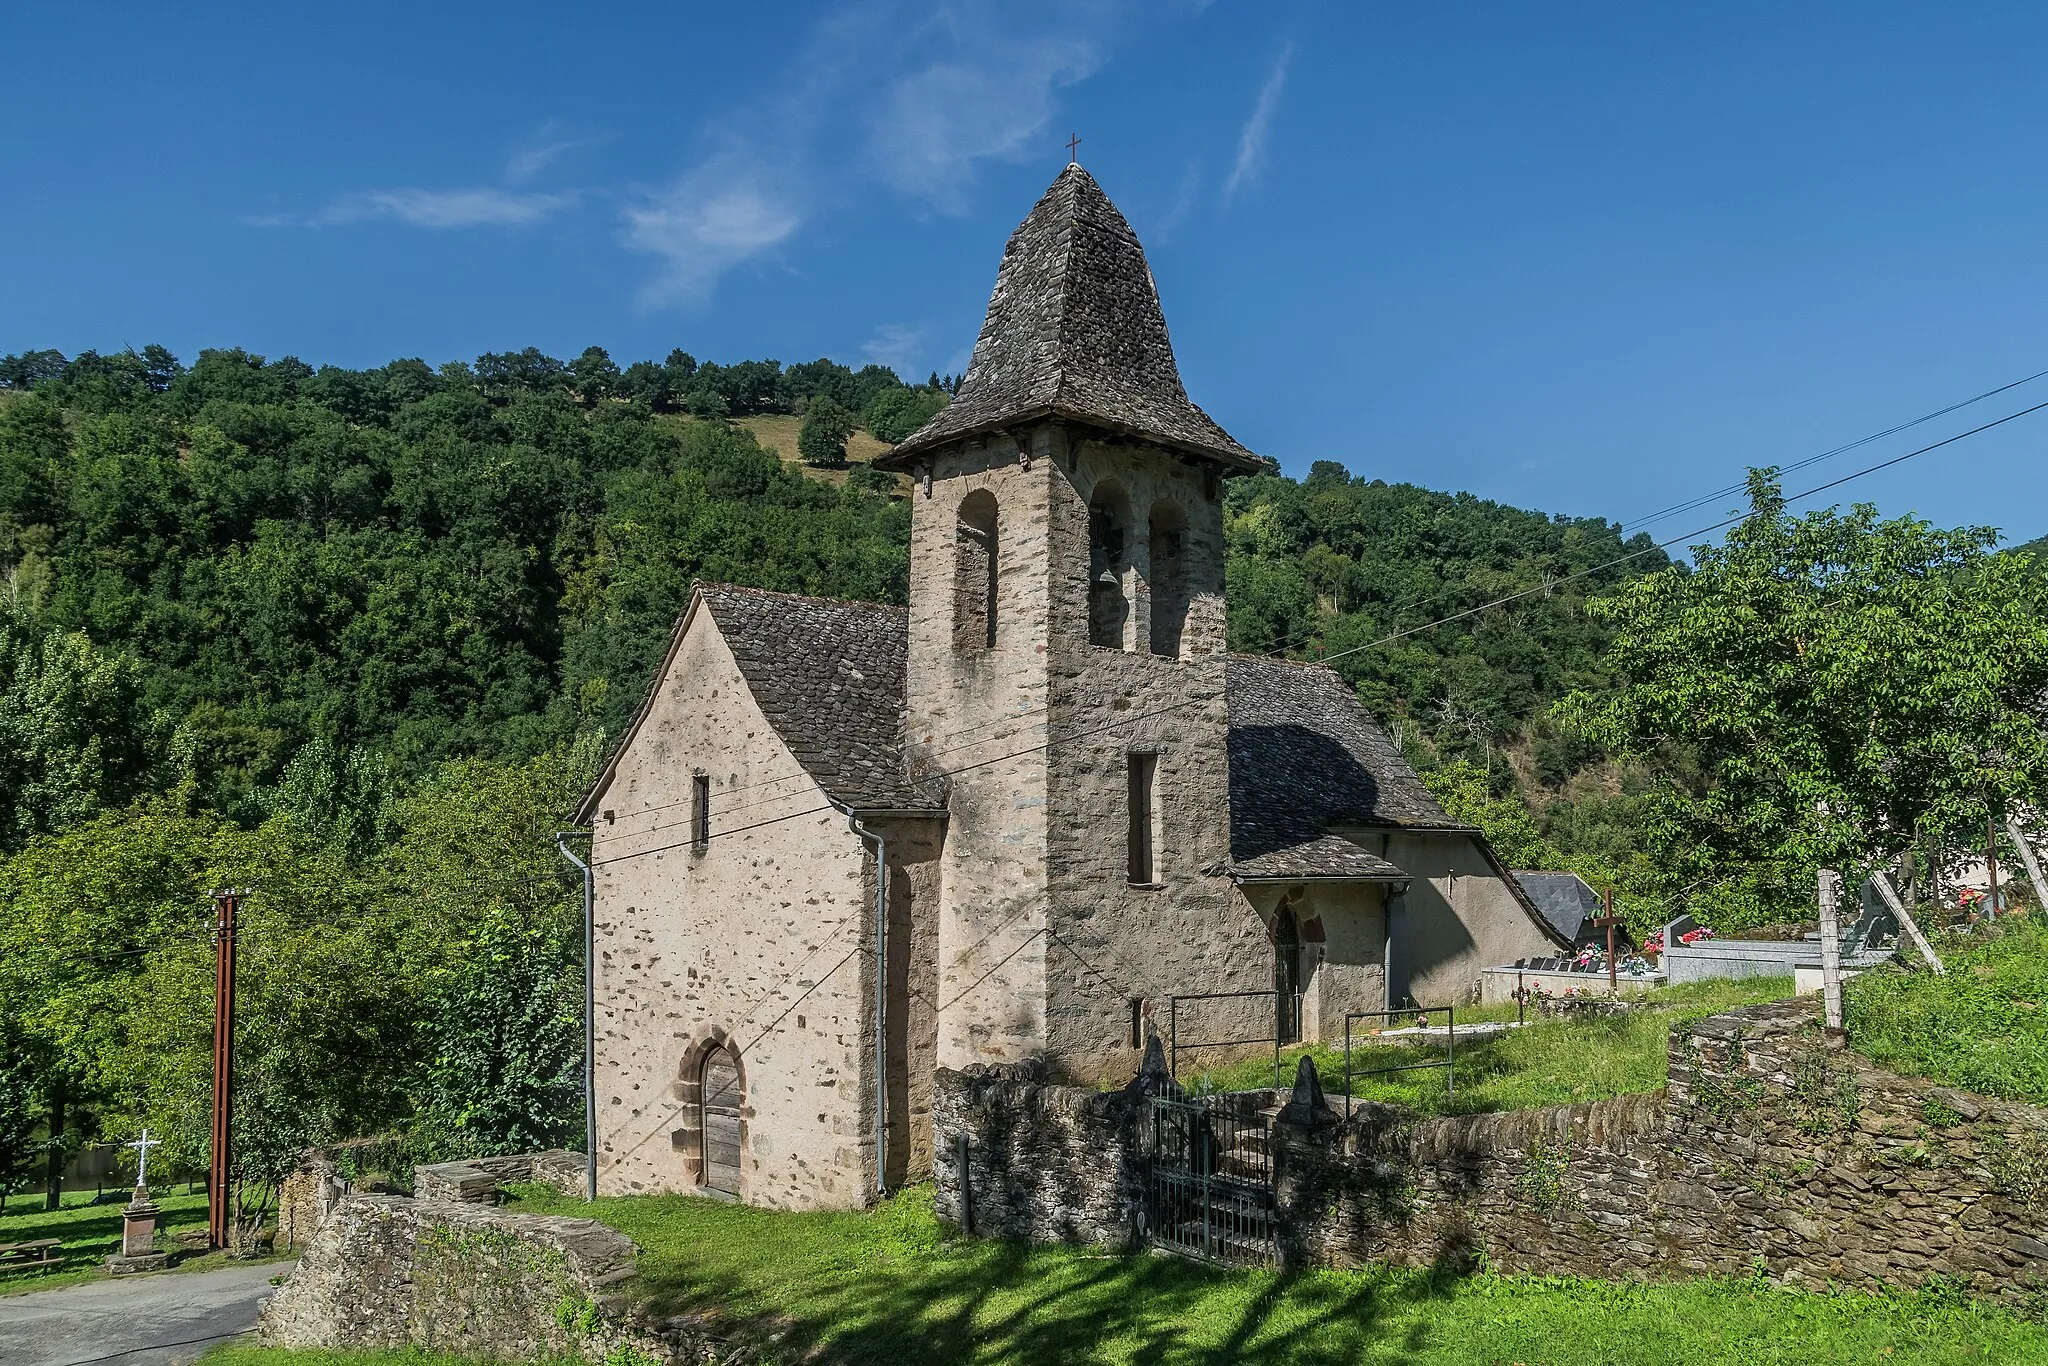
388,1271
680,973
1773,1148
1187,931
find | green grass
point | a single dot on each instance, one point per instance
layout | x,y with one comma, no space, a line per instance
1547,1062
236,1355
1982,1027
91,1234
891,1287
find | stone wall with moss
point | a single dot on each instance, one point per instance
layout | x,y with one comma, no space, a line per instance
388,1271
1773,1151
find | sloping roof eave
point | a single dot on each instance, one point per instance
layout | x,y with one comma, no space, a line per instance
587,808
925,439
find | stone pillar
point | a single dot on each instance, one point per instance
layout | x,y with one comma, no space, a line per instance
138,1237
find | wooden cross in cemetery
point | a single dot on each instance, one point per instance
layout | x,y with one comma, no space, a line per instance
1608,922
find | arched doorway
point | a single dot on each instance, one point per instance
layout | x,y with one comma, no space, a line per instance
718,1105
1287,976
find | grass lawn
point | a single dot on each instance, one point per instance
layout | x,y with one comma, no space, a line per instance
891,1287
1548,1062
777,432
1982,1027
91,1234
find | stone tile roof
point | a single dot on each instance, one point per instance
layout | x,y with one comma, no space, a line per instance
1324,856
829,677
1074,329
1564,898
1305,755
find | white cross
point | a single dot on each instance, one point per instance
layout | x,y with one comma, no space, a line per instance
142,1146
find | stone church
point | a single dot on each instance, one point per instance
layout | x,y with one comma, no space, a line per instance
844,844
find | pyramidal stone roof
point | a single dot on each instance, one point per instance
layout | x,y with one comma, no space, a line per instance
1074,330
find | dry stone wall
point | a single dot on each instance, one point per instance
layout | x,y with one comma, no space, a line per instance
390,1272
1774,1150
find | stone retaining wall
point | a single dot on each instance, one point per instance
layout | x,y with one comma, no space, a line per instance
310,1193
1773,1148
387,1271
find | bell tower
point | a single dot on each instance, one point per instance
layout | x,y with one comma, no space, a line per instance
1066,659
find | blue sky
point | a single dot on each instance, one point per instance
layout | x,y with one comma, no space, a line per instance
1591,259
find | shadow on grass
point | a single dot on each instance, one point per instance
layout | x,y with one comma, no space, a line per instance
89,1234
967,1300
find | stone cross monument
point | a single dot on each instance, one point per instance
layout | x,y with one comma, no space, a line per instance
138,1219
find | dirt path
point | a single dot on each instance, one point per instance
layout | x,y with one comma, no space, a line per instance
162,1319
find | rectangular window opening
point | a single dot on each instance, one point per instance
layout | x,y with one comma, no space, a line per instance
700,812
1144,818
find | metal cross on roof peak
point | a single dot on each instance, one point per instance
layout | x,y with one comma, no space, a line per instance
1073,141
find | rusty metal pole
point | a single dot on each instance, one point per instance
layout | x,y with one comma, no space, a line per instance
224,906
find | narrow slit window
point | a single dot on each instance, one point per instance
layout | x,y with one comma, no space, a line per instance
1144,819
700,811
974,573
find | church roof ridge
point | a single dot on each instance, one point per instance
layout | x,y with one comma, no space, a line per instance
720,586
1074,329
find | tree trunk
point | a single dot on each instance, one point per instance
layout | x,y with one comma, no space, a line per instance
53,1187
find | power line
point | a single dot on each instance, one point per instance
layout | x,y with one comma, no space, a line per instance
1811,460
1388,639
1308,630
1678,540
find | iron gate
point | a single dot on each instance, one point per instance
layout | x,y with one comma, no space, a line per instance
1209,1188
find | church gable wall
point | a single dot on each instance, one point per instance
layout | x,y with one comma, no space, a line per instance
754,941
977,711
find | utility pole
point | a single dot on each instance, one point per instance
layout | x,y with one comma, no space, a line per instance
225,903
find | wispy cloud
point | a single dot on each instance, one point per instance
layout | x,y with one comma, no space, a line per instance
985,87
543,149
1251,143
895,346
990,94
1183,201
703,226
467,207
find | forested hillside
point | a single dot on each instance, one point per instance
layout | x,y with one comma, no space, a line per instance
485,560
356,637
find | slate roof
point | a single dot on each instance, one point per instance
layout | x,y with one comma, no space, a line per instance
1074,329
1567,902
829,677
1323,856
1564,898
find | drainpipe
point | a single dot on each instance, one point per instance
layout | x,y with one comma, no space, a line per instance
881,995
589,1020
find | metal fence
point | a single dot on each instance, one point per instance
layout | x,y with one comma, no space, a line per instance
1288,1024
1449,1061
1209,1188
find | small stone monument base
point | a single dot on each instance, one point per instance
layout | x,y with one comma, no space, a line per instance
138,1237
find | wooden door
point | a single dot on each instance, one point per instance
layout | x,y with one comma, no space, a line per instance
719,1092
1287,977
